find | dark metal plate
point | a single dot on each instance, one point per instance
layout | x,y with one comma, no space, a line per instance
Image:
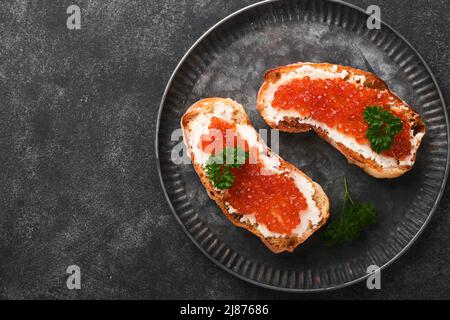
230,61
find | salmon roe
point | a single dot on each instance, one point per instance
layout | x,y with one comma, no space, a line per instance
274,199
340,104
224,130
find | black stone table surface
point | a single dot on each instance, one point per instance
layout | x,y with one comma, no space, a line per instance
78,179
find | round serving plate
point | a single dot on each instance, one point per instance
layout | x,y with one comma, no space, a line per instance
229,61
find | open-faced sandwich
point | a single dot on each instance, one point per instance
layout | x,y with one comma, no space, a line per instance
255,188
352,109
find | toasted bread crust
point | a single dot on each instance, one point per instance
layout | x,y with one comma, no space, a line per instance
293,125
276,245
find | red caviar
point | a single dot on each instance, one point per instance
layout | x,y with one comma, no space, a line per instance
274,199
340,104
227,131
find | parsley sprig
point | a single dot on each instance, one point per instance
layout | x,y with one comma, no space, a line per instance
383,127
354,217
218,167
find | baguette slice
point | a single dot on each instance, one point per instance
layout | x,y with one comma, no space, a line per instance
362,155
195,122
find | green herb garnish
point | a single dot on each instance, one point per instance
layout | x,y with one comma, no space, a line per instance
354,217
218,167
383,127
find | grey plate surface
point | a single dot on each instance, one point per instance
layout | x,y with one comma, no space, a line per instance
230,61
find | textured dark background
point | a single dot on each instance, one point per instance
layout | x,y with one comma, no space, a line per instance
78,180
